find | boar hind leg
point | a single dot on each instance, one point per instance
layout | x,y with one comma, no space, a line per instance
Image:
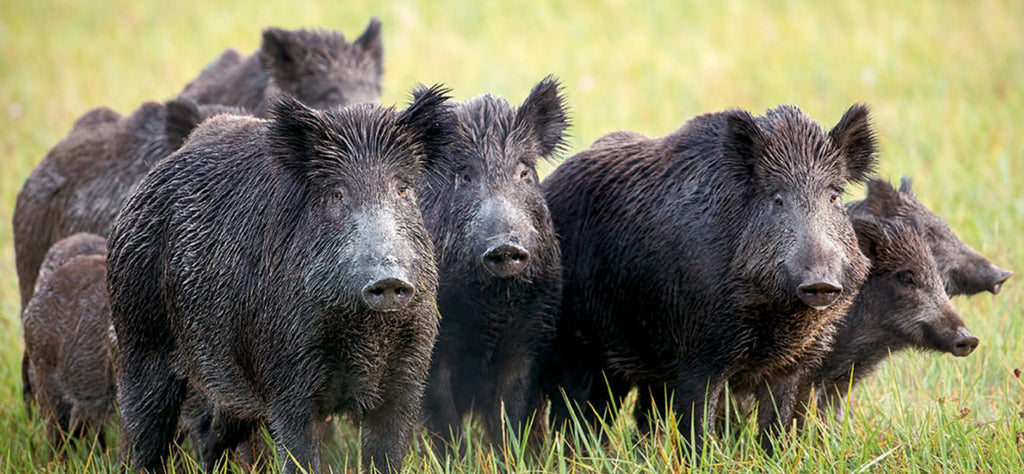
150,401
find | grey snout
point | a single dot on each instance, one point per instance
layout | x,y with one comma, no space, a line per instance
819,294
1000,277
388,294
505,260
964,343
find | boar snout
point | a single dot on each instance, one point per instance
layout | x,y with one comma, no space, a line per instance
506,259
964,342
819,293
1000,277
388,294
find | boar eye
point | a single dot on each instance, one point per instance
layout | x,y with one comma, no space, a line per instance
524,174
466,178
778,200
833,198
906,277
402,189
337,196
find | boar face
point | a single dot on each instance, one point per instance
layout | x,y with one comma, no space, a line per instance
907,290
799,243
485,207
321,69
359,166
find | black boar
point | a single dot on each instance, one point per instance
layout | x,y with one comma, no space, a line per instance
281,268
498,261
82,182
317,67
964,271
902,305
68,351
719,252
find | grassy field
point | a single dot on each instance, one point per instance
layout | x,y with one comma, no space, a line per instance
943,80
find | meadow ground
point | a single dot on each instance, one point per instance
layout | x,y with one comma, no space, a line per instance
943,79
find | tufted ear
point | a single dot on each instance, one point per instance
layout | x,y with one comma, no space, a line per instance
742,138
182,116
882,199
429,121
545,116
854,139
295,131
871,233
281,53
370,41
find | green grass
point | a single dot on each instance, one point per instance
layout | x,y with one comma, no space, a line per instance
943,79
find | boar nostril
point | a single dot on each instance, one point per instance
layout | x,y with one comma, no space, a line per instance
506,260
820,294
388,294
1001,277
965,345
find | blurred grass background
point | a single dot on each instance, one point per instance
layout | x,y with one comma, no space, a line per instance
943,79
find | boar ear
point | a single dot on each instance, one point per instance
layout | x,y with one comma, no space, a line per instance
370,41
871,234
854,139
743,139
182,116
882,199
294,131
280,53
428,119
545,115
906,185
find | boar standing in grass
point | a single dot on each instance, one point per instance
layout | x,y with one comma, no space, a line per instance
281,268
69,354
82,182
902,305
964,271
319,68
719,252
498,261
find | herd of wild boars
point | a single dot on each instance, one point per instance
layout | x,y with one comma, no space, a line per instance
284,249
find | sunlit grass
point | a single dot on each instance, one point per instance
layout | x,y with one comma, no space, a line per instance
943,79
